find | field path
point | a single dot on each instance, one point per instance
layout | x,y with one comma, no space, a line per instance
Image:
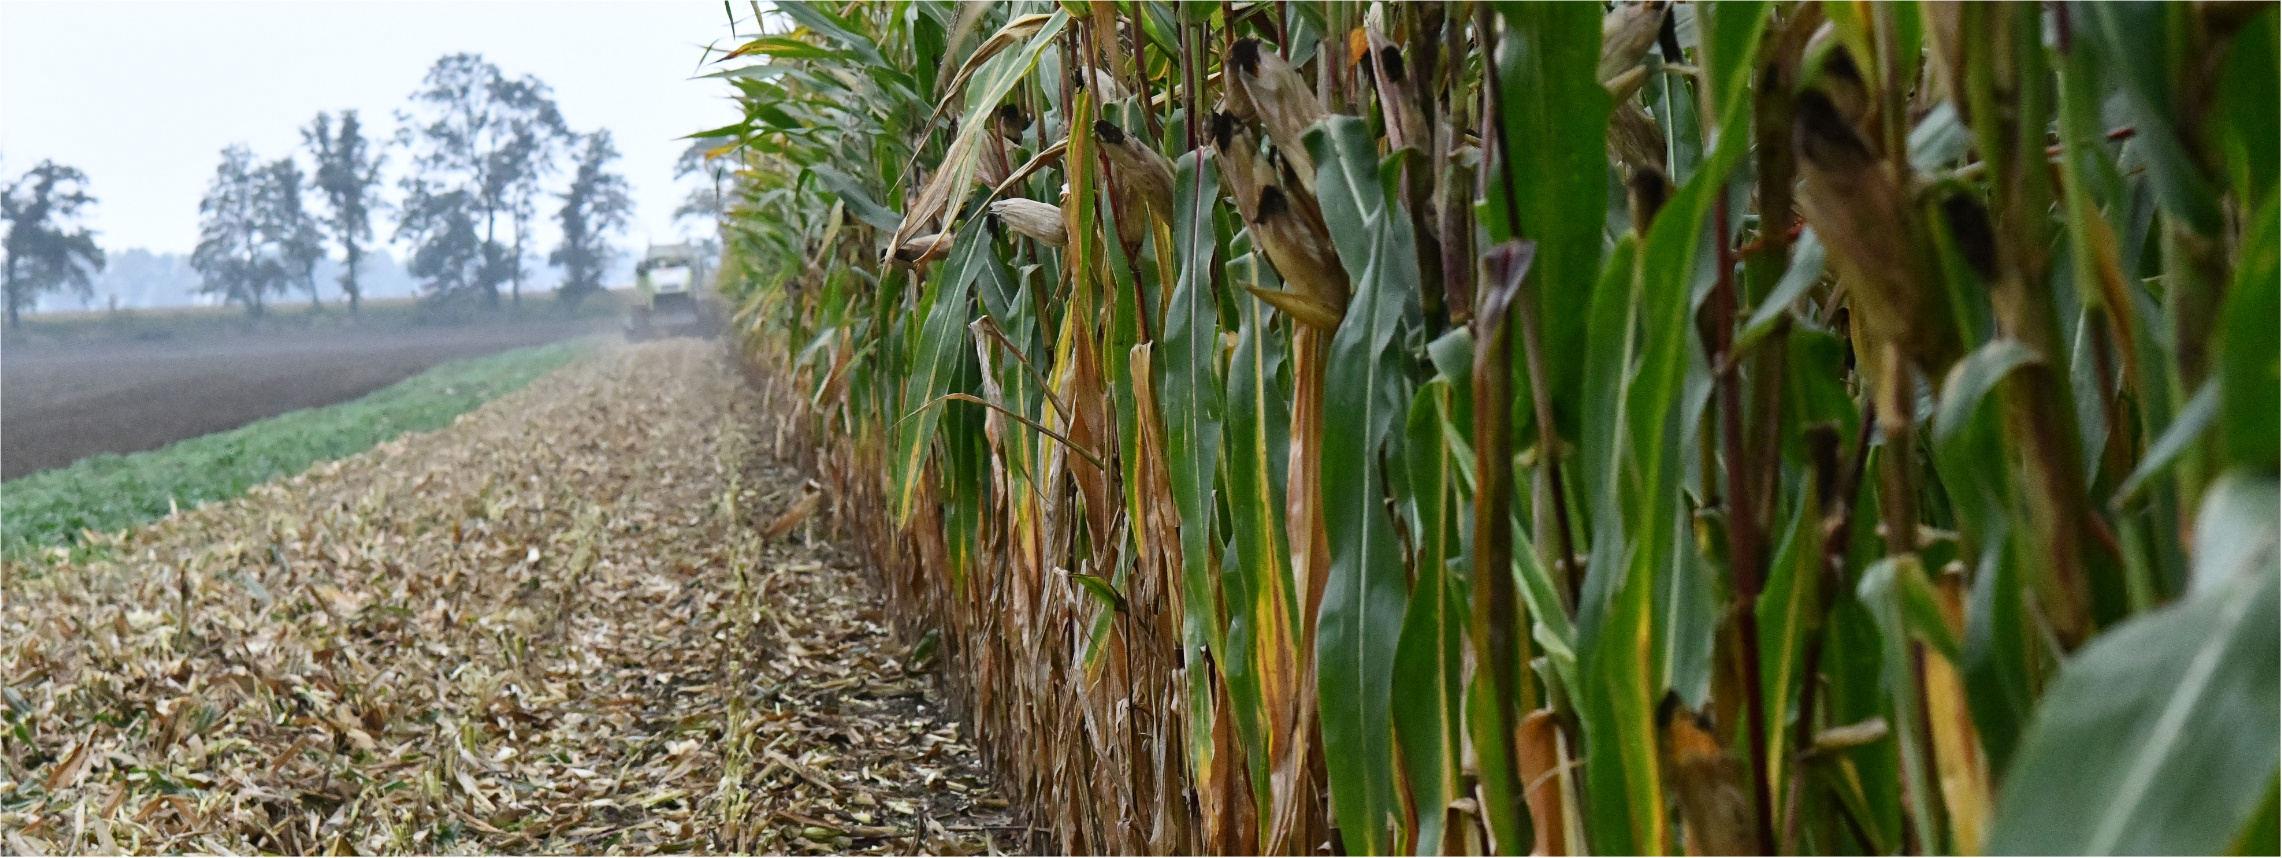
557,625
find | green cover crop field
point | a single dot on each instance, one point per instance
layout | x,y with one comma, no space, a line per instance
109,492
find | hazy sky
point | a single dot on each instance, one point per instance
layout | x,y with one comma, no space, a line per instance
144,96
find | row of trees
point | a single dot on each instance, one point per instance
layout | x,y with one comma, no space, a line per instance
480,145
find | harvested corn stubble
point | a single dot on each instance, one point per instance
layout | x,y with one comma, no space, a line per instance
549,627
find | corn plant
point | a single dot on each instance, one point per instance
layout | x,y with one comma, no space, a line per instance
1738,427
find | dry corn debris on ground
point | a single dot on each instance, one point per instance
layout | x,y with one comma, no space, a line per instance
554,626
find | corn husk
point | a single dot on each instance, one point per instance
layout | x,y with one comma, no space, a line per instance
1105,87
1300,247
1715,804
1865,216
924,249
1286,223
1040,221
1236,150
1012,122
1143,172
1633,138
1627,32
1282,102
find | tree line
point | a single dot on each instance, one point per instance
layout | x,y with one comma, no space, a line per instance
482,148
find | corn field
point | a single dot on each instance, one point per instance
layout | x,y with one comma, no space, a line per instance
1721,428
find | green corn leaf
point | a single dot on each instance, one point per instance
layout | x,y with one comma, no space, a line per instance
1554,138
2252,132
2250,366
1549,624
942,341
1262,611
1787,620
860,202
831,27
2263,836
2139,42
1428,682
1817,391
1939,139
1900,599
1806,268
2193,420
2180,705
1967,445
1258,425
785,47
1453,357
1188,398
1481,726
760,71
1613,324
1101,590
1973,378
964,464
1366,386
725,133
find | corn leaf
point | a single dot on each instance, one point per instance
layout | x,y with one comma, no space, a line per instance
1257,587
1429,682
942,341
2140,43
1553,132
1786,620
859,201
1366,387
2180,705
1188,395
2250,367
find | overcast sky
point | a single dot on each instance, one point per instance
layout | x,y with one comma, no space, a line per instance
143,96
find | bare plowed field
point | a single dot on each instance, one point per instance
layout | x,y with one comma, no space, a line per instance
63,402
593,616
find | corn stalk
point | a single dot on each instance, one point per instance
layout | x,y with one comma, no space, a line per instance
1503,427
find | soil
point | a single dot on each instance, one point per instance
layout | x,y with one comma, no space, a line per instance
60,402
597,615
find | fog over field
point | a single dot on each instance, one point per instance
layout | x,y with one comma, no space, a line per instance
142,280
